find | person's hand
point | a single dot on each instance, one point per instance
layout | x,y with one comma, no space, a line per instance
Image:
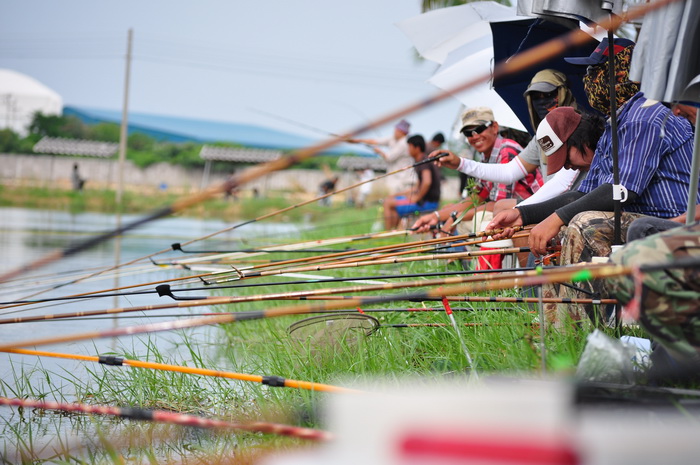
543,233
424,223
505,220
449,161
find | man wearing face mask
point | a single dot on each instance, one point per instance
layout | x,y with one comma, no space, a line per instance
548,90
655,152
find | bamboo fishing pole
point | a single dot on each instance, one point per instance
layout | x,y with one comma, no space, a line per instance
385,261
316,199
364,310
514,64
272,381
226,300
563,274
310,280
392,247
198,278
95,315
164,416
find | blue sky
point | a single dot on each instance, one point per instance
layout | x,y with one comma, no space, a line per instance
325,64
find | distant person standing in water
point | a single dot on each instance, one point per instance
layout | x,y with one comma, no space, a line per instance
78,182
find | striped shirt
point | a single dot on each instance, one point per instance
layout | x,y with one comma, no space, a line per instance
504,150
654,158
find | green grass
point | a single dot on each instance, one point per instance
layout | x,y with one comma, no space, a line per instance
264,347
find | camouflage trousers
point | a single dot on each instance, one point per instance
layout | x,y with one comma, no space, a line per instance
589,234
667,302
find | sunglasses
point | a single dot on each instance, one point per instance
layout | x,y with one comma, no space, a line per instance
471,132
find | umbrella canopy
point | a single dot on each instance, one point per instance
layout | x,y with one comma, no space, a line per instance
459,39
667,56
468,39
511,37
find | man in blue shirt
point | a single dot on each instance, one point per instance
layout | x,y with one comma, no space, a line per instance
655,153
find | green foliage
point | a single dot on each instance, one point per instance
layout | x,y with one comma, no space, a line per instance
107,132
9,141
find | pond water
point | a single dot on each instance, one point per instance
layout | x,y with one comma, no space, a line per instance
27,235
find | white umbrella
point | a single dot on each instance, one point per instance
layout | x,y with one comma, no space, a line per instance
436,33
459,38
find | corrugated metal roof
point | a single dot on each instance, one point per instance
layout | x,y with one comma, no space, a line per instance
355,163
239,155
87,148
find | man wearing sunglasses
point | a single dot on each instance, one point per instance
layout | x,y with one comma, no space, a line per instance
548,89
482,132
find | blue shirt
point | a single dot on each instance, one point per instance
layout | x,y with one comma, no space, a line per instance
654,158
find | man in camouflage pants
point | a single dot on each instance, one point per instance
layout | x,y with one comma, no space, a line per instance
588,235
669,305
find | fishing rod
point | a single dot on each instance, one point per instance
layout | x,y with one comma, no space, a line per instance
164,416
306,126
111,360
365,310
386,261
385,248
227,300
316,199
288,247
199,278
276,283
563,274
519,62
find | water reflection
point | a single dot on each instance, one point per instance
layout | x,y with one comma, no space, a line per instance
26,235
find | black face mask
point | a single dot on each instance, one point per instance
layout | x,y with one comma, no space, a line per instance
545,104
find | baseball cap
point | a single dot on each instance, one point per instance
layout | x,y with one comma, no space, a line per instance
476,117
600,54
552,134
546,80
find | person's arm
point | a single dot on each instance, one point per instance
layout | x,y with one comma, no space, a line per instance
560,183
535,213
600,199
423,223
500,173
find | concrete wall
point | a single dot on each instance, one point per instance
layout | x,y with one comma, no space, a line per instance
46,170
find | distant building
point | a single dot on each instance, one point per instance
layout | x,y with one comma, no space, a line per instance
180,129
20,97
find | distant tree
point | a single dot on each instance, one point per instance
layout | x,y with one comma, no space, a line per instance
74,128
46,125
107,132
140,141
9,141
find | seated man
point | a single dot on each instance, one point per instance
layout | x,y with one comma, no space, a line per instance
665,302
548,90
425,196
655,151
481,130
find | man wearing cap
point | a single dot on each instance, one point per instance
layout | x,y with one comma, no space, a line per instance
396,156
548,90
655,152
481,130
